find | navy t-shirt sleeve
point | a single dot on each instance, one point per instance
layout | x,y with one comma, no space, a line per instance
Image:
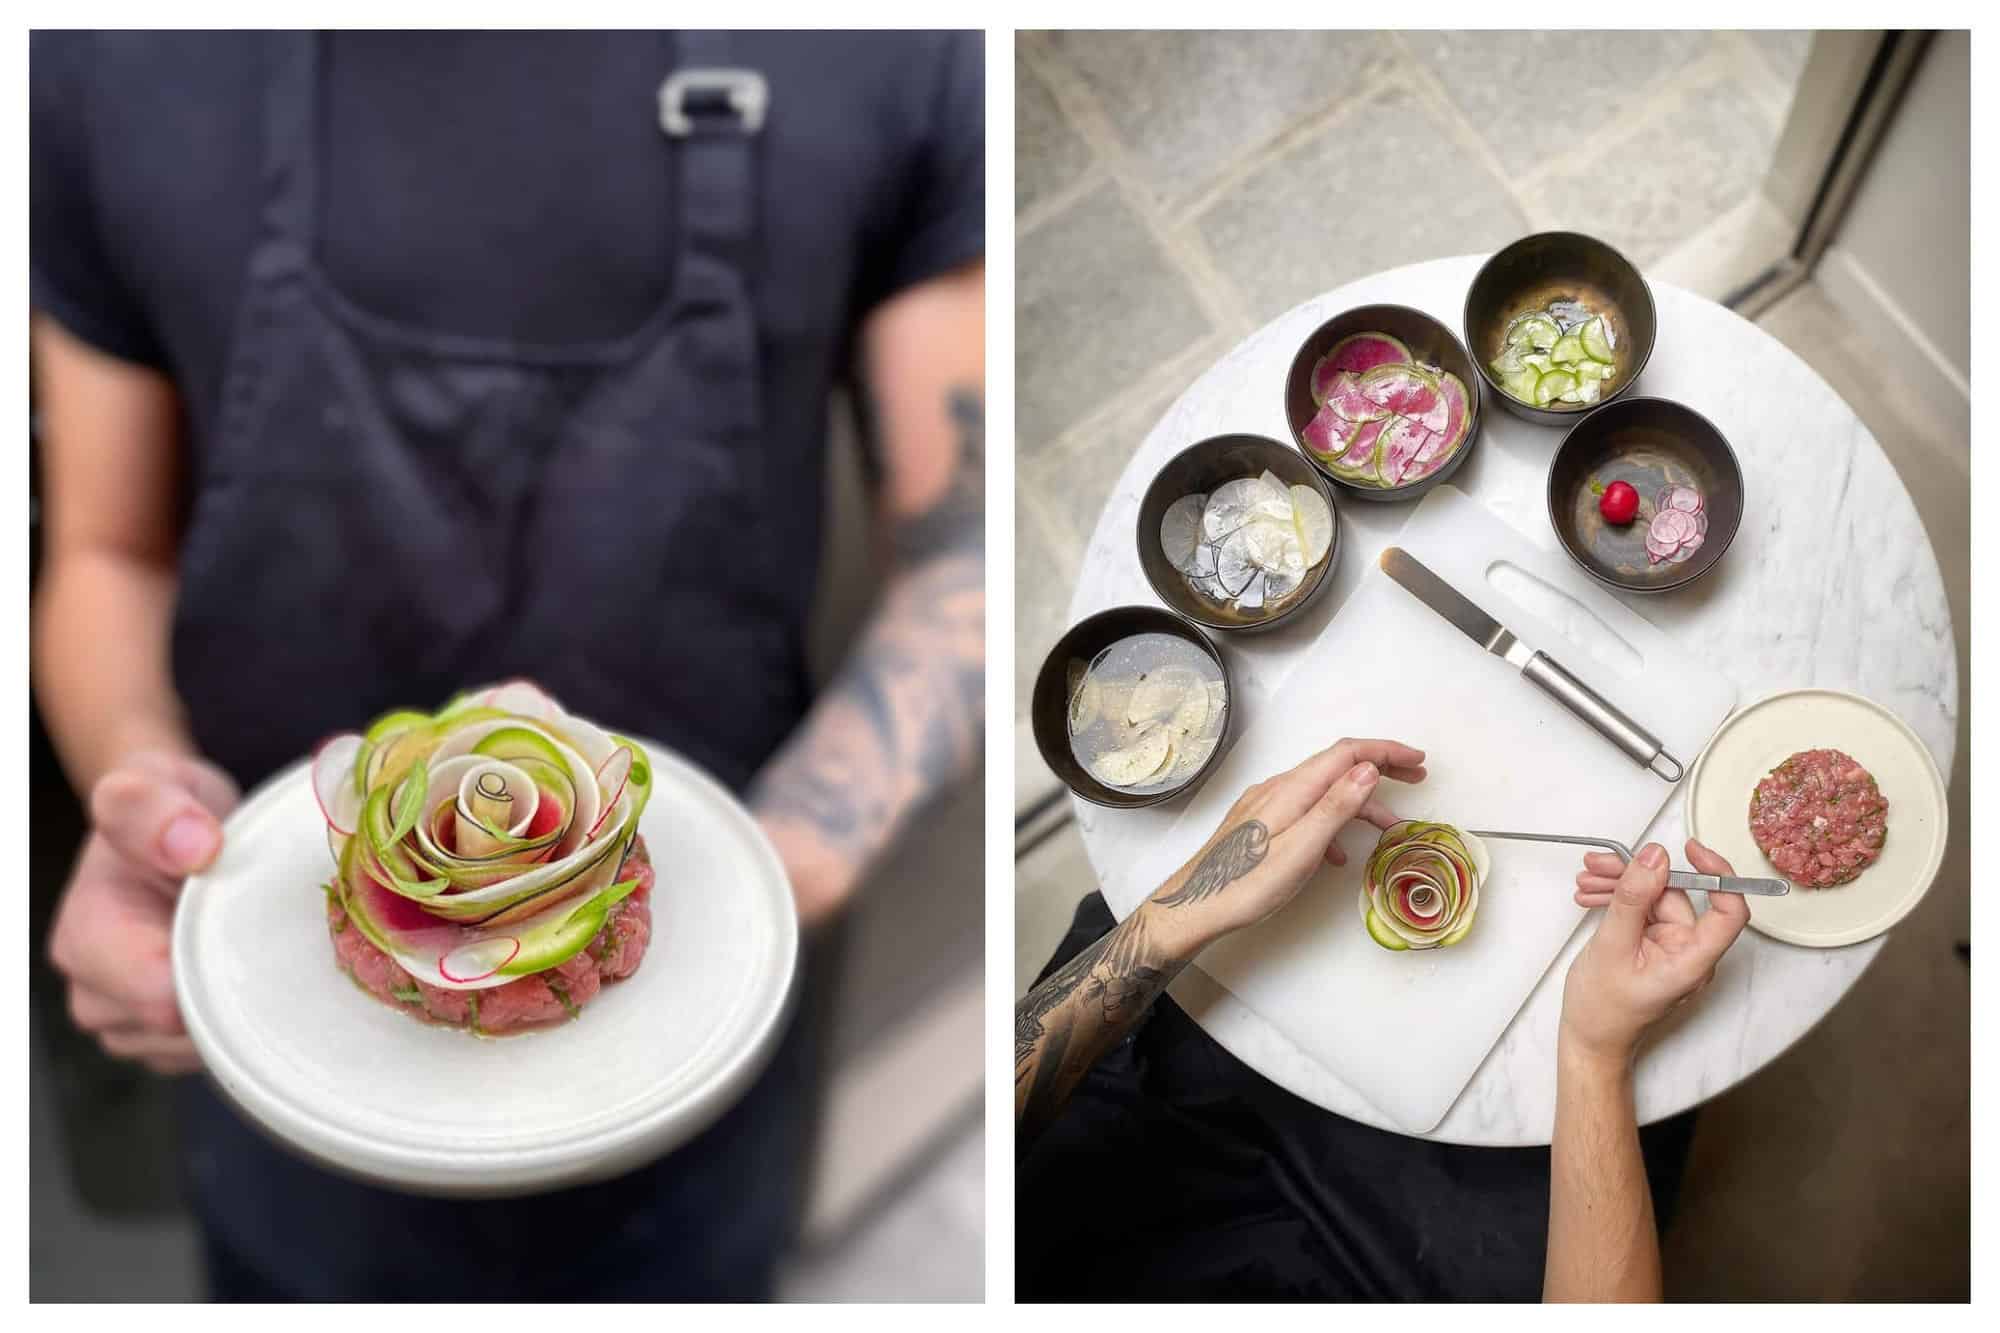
72,276
942,221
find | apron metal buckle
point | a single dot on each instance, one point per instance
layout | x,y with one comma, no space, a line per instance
701,97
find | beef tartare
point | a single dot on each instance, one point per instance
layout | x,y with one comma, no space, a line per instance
561,992
490,873
1820,818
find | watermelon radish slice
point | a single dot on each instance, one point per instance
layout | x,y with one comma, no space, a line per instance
1360,352
1361,452
1403,390
333,782
1402,440
1348,400
1458,410
1326,433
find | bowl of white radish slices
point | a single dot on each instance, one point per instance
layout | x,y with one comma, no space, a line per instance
1237,532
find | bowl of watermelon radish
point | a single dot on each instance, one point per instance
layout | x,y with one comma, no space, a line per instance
1559,323
1645,494
1384,400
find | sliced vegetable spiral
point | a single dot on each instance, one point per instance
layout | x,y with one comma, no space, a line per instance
479,844
1420,888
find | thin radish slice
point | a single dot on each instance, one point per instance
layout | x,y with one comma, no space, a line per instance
478,960
611,783
1327,432
1685,498
1404,390
1458,409
1402,440
1361,352
1180,531
523,697
1360,455
1350,402
333,782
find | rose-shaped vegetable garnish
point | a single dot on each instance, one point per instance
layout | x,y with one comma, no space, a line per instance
1421,886
479,844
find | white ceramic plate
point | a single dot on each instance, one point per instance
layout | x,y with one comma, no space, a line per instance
352,1083
1758,738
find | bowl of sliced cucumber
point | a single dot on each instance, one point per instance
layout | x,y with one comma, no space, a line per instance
1559,323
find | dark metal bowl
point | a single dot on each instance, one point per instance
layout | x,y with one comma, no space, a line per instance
1049,709
1648,442
1553,266
1202,467
1428,340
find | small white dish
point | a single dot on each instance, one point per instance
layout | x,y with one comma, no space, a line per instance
1759,737
344,1079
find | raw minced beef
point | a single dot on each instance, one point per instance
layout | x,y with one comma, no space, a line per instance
1820,818
612,955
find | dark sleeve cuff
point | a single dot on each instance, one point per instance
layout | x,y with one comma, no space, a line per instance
77,318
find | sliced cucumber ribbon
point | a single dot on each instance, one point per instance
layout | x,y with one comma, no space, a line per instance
476,844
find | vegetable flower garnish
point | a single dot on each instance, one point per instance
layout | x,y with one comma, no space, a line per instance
1420,889
479,844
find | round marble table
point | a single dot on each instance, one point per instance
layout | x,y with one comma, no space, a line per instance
1831,581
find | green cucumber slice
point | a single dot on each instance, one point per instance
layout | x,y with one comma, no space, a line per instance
1535,330
1522,383
1553,386
1596,339
1386,937
1592,370
1568,350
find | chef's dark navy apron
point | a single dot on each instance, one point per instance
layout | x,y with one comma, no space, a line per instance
1176,1172
386,515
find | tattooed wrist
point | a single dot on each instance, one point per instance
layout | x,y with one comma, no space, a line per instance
1231,857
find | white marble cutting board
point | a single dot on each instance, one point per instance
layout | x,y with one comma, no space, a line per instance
1407,1031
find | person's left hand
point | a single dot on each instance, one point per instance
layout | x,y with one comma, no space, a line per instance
1277,835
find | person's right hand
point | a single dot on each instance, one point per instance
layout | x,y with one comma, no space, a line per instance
155,820
1651,952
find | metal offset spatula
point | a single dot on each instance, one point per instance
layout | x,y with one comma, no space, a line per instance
1756,886
1538,668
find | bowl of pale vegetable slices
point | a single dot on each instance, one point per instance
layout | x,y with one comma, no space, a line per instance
1237,532
1559,323
1131,707
1384,401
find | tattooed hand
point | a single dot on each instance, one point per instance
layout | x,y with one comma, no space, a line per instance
1276,835
1269,844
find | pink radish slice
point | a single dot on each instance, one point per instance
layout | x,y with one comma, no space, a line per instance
1458,410
1433,452
1361,445
1686,498
1326,433
1364,351
1348,400
1685,554
1438,417
1402,441
1404,390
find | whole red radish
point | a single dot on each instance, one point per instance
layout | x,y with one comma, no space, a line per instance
1619,504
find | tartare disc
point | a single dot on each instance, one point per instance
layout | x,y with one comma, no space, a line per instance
365,1090
1759,737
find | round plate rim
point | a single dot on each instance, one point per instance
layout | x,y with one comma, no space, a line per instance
684,1112
1891,916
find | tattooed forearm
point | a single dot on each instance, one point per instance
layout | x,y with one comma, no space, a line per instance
1234,855
1063,1026
905,715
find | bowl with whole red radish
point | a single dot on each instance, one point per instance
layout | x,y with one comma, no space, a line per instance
1645,494
1384,400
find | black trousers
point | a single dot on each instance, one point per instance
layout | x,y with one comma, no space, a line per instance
1178,1172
